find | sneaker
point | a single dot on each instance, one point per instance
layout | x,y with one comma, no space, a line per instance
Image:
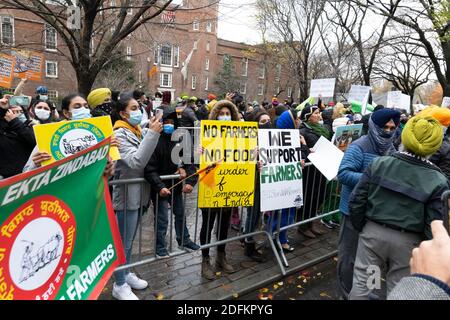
335,224
162,253
123,292
327,224
191,245
135,282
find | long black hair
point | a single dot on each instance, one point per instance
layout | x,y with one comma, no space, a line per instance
120,105
65,103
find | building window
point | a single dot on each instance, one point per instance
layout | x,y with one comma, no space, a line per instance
128,53
260,89
209,26
166,55
166,80
207,64
51,69
262,71
52,94
156,57
208,46
196,25
289,92
244,67
278,72
50,38
206,84
176,56
194,82
7,30
243,88
195,45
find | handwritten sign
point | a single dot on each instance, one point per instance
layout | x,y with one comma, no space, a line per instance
396,99
281,174
358,93
323,87
6,71
28,64
231,184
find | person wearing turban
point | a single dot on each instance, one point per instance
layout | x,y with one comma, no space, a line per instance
393,206
100,102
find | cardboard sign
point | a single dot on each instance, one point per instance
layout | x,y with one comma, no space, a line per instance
326,158
28,64
231,144
358,93
6,71
396,99
323,87
281,174
66,138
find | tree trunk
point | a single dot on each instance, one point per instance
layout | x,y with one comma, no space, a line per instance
85,81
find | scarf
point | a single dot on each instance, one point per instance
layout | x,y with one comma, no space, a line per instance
123,124
319,130
380,139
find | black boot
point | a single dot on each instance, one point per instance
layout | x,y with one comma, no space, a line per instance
252,253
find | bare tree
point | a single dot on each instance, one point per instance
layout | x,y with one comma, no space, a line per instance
293,24
429,20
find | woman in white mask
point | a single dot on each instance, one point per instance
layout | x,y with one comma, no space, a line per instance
43,111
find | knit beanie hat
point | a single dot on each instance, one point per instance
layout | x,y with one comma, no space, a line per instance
422,135
98,96
383,116
307,112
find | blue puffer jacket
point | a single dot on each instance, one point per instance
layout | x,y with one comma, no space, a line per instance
356,159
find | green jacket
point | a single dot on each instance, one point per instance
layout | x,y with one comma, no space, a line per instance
399,190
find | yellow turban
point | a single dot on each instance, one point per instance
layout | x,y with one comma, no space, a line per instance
440,114
98,96
422,135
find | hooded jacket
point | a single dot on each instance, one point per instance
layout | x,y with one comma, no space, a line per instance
224,103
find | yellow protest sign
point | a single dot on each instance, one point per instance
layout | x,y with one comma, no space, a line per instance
65,138
231,145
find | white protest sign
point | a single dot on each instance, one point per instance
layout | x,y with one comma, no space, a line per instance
446,102
358,93
326,158
323,87
396,99
281,174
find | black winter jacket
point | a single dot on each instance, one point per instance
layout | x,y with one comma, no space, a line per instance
442,157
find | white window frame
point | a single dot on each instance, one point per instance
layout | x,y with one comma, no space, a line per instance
169,80
260,89
207,64
263,69
46,28
208,46
245,87
46,69
176,56
195,45
244,64
289,92
13,32
129,53
207,84
194,82
196,25
209,26
53,94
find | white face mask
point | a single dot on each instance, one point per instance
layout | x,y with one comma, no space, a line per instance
321,122
42,114
43,97
224,118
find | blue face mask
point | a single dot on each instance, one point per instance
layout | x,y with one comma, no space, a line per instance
168,128
81,113
22,118
135,118
224,118
43,97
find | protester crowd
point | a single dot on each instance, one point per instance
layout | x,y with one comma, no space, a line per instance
390,181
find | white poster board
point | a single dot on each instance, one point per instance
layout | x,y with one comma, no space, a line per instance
281,173
396,99
358,93
323,87
326,158
446,102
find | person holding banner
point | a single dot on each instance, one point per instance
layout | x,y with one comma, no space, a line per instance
223,110
16,139
135,150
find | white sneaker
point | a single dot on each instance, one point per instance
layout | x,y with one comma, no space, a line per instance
135,282
123,292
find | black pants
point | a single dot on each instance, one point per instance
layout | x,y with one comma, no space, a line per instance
208,219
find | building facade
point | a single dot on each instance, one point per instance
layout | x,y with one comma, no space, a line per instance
178,51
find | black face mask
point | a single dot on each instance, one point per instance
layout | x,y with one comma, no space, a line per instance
106,107
266,125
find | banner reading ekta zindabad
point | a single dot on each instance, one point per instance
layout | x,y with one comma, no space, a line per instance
281,173
58,232
65,138
232,183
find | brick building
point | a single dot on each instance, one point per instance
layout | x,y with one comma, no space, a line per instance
164,45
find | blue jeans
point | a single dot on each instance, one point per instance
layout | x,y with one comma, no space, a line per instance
287,217
127,222
163,220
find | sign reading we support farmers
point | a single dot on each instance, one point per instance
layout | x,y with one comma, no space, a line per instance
65,138
281,174
322,87
232,145
58,233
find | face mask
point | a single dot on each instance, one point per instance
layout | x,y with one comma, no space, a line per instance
224,118
22,118
106,107
266,125
81,113
42,114
168,128
135,117
44,98
321,122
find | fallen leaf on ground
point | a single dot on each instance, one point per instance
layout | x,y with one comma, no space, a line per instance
264,290
159,296
218,274
335,259
300,292
324,294
319,274
235,295
280,283
262,297
305,281
275,286
300,287
291,298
